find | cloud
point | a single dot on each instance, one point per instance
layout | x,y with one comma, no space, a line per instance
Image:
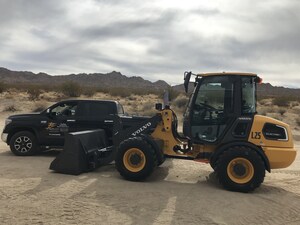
156,40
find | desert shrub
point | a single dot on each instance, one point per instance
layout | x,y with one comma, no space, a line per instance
180,102
281,111
71,89
281,101
173,94
294,104
262,97
148,109
121,92
34,92
89,91
10,108
298,121
132,98
262,111
2,87
265,102
39,106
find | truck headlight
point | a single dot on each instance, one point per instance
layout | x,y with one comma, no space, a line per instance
7,121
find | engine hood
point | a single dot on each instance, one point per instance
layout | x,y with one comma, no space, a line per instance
24,116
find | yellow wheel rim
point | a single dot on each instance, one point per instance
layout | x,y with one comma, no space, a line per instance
240,170
134,160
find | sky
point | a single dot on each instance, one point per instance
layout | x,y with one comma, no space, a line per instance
157,40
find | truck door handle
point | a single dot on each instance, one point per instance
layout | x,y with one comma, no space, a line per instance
71,120
108,121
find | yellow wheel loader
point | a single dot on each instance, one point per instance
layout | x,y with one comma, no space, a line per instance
221,127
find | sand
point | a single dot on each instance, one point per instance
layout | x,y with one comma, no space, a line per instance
179,192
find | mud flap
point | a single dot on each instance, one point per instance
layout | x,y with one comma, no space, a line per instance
83,152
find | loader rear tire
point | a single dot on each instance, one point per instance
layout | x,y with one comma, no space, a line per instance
135,159
240,169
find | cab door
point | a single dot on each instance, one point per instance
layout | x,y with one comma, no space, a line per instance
211,109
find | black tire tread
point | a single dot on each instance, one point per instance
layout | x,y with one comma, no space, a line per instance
240,151
35,147
151,163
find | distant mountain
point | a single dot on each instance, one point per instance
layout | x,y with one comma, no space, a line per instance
116,79
265,89
108,80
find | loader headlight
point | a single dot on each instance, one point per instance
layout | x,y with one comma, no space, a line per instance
7,121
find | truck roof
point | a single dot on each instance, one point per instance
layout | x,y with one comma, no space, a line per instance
226,73
88,100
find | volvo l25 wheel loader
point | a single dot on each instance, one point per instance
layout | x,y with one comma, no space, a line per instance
221,127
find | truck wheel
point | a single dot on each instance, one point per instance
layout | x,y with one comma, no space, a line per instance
240,169
135,159
23,143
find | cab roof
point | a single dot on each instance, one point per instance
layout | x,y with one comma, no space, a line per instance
226,73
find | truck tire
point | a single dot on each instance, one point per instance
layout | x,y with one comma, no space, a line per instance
23,143
135,159
240,169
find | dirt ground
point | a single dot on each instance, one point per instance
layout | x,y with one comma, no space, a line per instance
179,192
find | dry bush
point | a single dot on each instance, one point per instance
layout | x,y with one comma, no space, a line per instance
269,109
132,98
39,107
262,111
281,101
10,108
298,121
148,109
2,87
34,92
294,104
71,89
180,102
89,91
281,111
173,94
265,102
120,92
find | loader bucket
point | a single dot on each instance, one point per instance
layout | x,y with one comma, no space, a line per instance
83,152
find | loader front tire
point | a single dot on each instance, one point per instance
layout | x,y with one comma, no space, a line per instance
240,169
135,159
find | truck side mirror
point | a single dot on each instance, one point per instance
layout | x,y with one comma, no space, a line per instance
50,113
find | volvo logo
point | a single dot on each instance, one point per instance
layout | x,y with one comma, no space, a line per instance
140,130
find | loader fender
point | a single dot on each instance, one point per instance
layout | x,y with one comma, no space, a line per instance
157,145
223,148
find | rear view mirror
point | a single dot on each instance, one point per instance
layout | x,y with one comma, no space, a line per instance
187,77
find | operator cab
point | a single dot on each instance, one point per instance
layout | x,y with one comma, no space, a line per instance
216,102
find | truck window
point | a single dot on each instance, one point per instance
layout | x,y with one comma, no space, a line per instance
96,109
120,109
65,109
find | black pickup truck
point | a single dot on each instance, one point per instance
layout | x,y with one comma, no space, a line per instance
27,134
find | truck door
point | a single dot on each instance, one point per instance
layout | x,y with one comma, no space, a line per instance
96,115
61,120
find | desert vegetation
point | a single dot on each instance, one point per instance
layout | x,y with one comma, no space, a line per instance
34,98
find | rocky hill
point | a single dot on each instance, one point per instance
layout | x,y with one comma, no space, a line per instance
116,79
265,89
109,80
